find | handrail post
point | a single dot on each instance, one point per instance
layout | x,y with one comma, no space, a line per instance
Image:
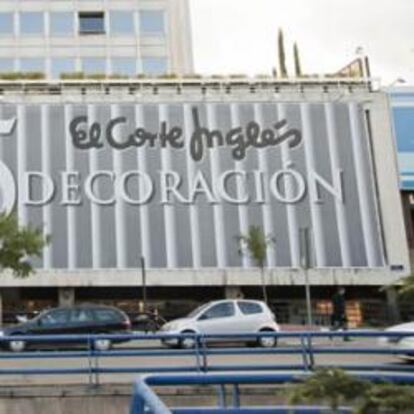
304,353
222,396
90,367
310,351
236,396
204,353
197,352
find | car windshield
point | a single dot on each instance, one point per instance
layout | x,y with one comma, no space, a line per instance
196,311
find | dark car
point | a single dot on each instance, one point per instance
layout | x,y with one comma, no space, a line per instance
83,319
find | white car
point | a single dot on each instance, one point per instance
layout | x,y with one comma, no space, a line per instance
400,342
224,317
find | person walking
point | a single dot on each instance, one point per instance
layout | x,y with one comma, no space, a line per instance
339,320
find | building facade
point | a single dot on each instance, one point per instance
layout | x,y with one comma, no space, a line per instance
96,37
175,171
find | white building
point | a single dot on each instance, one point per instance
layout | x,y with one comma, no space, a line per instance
173,170
112,37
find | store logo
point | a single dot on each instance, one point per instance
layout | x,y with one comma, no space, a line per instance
7,189
7,184
7,126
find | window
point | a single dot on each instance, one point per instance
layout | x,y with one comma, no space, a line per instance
122,22
6,24
6,65
154,65
62,65
221,310
31,23
32,65
91,23
151,22
107,315
249,308
81,315
61,24
55,317
124,66
94,65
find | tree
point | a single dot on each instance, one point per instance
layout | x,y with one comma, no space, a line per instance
406,289
296,56
255,244
282,55
329,385
18,244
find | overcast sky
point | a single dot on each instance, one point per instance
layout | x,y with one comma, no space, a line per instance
239,36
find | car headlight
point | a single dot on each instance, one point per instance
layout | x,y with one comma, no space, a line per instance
172,326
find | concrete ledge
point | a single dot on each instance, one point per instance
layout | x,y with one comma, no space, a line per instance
204,277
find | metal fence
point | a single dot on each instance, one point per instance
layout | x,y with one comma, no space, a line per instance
145,400
307,347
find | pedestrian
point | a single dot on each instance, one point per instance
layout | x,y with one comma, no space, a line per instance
339,320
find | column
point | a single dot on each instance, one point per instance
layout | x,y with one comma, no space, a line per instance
362,184
21,162
220,241
266,208
193,208
239,166
344,243
143,209
120,221
292,221
169,210
315,209
46,169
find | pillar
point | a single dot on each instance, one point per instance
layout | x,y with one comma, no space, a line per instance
233,292
66,296
393,310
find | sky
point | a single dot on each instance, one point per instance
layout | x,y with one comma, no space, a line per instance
240,36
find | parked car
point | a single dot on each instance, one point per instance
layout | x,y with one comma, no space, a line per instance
400,342
83,319
224,317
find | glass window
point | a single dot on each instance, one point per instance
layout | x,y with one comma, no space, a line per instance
249,308
91,22
31,23
124,66
6,24
32,65
121,22
81,315
94,65
154,65
62,65
61,24
55,317
221,310
6,65
107,315
151,22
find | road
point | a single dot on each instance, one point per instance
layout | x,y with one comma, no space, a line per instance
147,362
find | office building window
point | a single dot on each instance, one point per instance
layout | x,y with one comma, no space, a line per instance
6,24
91,23
94,65
121,22
61,24
154,66
31,23
32,65
124,66
151,22
6,65
61,65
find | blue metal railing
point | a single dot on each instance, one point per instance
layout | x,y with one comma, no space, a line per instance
145,400
198,359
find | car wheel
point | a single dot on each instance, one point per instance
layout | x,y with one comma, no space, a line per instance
102,344
267,341
187,343
17,346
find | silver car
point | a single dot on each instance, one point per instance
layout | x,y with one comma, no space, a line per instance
224,317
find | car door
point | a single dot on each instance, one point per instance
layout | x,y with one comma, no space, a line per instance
82,321
220,318
251,316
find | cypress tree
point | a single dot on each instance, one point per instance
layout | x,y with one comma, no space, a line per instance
282,57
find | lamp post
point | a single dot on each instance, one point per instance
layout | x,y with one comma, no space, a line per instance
144,283
305,265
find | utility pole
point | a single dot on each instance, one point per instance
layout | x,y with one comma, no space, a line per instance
305,264
144,283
